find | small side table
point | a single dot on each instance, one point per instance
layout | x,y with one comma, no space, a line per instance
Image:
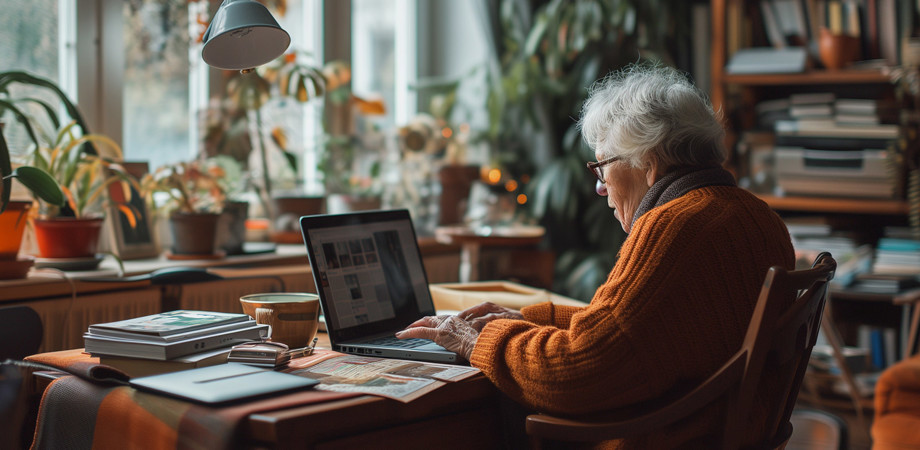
471,241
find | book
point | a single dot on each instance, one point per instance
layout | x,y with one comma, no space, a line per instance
140,367
223,383
767,60
884,283
147,349
170,323
114,333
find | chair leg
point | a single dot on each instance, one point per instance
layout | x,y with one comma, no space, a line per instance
833,337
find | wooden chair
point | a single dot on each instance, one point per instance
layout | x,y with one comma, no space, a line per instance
20,332
778,336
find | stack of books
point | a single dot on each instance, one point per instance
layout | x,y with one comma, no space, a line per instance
811,237
170,341
897,253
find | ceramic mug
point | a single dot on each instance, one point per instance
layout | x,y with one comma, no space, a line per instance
293,318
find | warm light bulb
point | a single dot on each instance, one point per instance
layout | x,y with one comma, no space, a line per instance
495,176
521,199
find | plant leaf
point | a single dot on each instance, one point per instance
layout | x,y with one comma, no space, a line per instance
40,183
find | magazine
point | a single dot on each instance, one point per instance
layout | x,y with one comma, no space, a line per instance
170,322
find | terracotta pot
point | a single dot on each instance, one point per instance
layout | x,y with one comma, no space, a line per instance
194,234
456,181
12,224
837,50
67,237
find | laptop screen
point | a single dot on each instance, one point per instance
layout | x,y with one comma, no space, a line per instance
368,272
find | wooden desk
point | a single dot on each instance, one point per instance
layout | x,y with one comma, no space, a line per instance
464,414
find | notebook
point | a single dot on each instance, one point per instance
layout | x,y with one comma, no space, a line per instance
223,383
371,283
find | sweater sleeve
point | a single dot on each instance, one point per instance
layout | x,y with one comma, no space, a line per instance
547,313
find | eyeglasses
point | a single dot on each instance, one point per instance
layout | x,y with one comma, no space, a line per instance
598,167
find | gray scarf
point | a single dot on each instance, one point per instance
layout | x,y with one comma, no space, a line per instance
676,184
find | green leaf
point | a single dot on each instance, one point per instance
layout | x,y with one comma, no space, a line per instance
5,168
22,118
40,183
536,36
15,76
291,159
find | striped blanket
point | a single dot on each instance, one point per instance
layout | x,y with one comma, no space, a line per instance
94,408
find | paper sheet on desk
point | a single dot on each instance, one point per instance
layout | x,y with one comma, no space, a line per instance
392,378
460,296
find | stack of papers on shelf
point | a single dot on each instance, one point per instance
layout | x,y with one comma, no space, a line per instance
172,334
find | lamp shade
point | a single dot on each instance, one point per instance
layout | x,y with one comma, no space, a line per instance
242,35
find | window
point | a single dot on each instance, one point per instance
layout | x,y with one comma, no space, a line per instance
33,39
383,55
134,66
159,124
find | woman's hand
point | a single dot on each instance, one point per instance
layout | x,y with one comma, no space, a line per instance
449,332
478,316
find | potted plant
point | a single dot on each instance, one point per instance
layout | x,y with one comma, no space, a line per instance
66,176
353,147
72,229
193,199
546,53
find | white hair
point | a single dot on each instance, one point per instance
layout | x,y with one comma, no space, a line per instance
651,108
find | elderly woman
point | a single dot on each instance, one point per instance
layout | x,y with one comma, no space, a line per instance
678,301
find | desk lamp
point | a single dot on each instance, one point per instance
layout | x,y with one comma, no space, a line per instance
242,35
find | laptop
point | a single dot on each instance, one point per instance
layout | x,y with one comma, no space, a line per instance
371,283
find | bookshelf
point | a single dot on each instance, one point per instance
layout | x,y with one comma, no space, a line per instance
737,94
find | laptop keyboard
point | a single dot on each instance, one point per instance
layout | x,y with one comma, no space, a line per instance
401,343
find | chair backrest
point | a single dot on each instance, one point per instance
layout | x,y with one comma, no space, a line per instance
781,335
20,332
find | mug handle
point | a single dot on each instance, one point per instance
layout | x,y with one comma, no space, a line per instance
264,316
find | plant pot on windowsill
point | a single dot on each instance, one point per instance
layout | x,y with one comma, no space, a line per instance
231,228
288,209
12,225
67,237
194,235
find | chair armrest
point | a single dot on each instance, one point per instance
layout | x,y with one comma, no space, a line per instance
898,389
622,423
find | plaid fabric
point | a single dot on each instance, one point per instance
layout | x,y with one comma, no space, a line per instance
93,409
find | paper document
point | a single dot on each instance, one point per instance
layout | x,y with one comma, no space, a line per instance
392,378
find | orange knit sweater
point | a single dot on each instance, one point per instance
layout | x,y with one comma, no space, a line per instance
673,309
